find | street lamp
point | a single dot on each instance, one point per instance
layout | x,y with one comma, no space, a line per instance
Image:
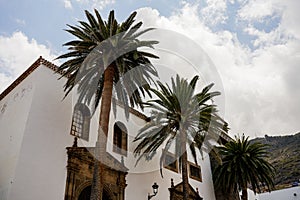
155,190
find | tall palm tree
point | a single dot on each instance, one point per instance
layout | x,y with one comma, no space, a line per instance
104,58
176,119
244,163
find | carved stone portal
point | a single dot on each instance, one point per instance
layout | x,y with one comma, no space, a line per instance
80,169
176,192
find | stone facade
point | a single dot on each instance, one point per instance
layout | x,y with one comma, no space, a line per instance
176,192
80,172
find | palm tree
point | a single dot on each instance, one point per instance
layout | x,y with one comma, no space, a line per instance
179,116
244,163
100,61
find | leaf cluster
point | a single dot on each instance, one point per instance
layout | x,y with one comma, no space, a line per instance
244,163
100,44
178,110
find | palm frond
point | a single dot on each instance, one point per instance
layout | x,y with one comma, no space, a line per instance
178,110
99,42
244,163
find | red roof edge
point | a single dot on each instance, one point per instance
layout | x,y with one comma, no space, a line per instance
40,61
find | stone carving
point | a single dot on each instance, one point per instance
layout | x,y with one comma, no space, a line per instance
80,172
176,192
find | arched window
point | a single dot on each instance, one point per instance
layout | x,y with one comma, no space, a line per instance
81,121
120,139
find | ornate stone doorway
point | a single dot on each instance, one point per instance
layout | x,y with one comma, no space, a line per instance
176,192
105,196
80,169
86,194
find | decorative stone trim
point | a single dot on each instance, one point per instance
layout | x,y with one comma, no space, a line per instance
81,187
80,168
176,192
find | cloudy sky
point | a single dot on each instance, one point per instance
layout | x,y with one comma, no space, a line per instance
254,45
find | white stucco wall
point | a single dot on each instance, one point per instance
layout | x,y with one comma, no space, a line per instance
39,124
42,160
139,184
141,177
35,127
284,194
14,110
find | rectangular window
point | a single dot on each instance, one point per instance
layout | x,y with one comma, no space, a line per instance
195,172
170,162
120,139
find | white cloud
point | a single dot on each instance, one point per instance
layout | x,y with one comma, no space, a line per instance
68,4
263,38
99,4
291,17
215,12
259,9
21,22
17,53
282,17
262,86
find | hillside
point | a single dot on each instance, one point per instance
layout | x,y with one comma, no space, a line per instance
285,157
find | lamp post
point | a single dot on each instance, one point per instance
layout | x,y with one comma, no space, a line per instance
155,190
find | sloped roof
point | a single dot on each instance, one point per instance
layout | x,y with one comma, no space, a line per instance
40,61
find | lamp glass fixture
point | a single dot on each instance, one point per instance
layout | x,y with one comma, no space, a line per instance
155,188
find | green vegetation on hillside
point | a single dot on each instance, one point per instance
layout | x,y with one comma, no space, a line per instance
284,156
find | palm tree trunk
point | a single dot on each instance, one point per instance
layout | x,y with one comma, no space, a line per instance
244,193
184,164
106,102
100,150
97,184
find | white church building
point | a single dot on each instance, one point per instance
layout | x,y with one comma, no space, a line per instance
41,160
